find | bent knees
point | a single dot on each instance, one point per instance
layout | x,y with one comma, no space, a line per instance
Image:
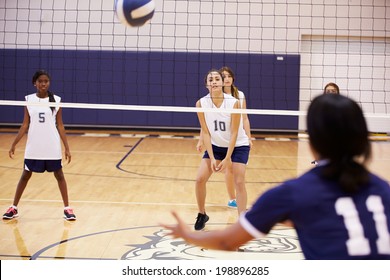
201,180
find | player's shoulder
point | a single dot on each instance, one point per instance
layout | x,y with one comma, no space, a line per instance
204,99
377,178
230,99
241,95
311,174
310,178
379,185
229,96
31,96
57,98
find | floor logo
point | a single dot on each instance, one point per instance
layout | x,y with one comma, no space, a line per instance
279,244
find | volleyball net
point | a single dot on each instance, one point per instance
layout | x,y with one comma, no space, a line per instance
282,55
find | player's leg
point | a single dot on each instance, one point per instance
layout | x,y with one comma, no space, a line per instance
240,158
231,190
239,170
26,175
12,211
59,175
204,173
56,167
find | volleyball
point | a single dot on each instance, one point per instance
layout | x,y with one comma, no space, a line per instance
134,12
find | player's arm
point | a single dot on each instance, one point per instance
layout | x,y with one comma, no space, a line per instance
61,131
22,131
234,125
246,123
228,239
199,145
205,133
206,136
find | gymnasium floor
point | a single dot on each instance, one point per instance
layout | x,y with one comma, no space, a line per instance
123,184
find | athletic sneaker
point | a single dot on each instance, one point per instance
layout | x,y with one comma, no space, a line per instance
232,203
69,215
201,221
11,213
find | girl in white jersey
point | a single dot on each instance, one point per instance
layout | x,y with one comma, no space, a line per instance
43,149
230,88
227,145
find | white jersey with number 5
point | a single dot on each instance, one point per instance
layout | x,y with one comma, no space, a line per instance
43,139
218,123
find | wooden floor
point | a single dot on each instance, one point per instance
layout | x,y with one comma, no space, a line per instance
123,184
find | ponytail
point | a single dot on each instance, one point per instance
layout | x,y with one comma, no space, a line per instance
235,92
51,99
350,174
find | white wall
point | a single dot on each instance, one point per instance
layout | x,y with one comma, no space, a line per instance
360,66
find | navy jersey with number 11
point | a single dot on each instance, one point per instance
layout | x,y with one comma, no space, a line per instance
330,223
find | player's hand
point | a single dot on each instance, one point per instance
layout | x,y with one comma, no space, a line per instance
68,156
11,152
225,163
199,146
179,230
250,143
214,165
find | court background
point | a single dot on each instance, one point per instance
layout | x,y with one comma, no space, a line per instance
283,53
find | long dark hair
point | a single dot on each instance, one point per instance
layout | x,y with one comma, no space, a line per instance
39,73
338,132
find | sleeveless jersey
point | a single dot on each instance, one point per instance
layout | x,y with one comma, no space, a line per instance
43,139
218,123
241,98
330,223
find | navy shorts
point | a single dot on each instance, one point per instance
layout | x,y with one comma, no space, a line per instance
240,154
42,165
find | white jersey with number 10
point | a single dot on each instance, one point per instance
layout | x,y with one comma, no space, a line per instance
218,123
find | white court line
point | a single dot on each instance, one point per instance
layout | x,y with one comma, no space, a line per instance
276,139
134,135
94,135
116,202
